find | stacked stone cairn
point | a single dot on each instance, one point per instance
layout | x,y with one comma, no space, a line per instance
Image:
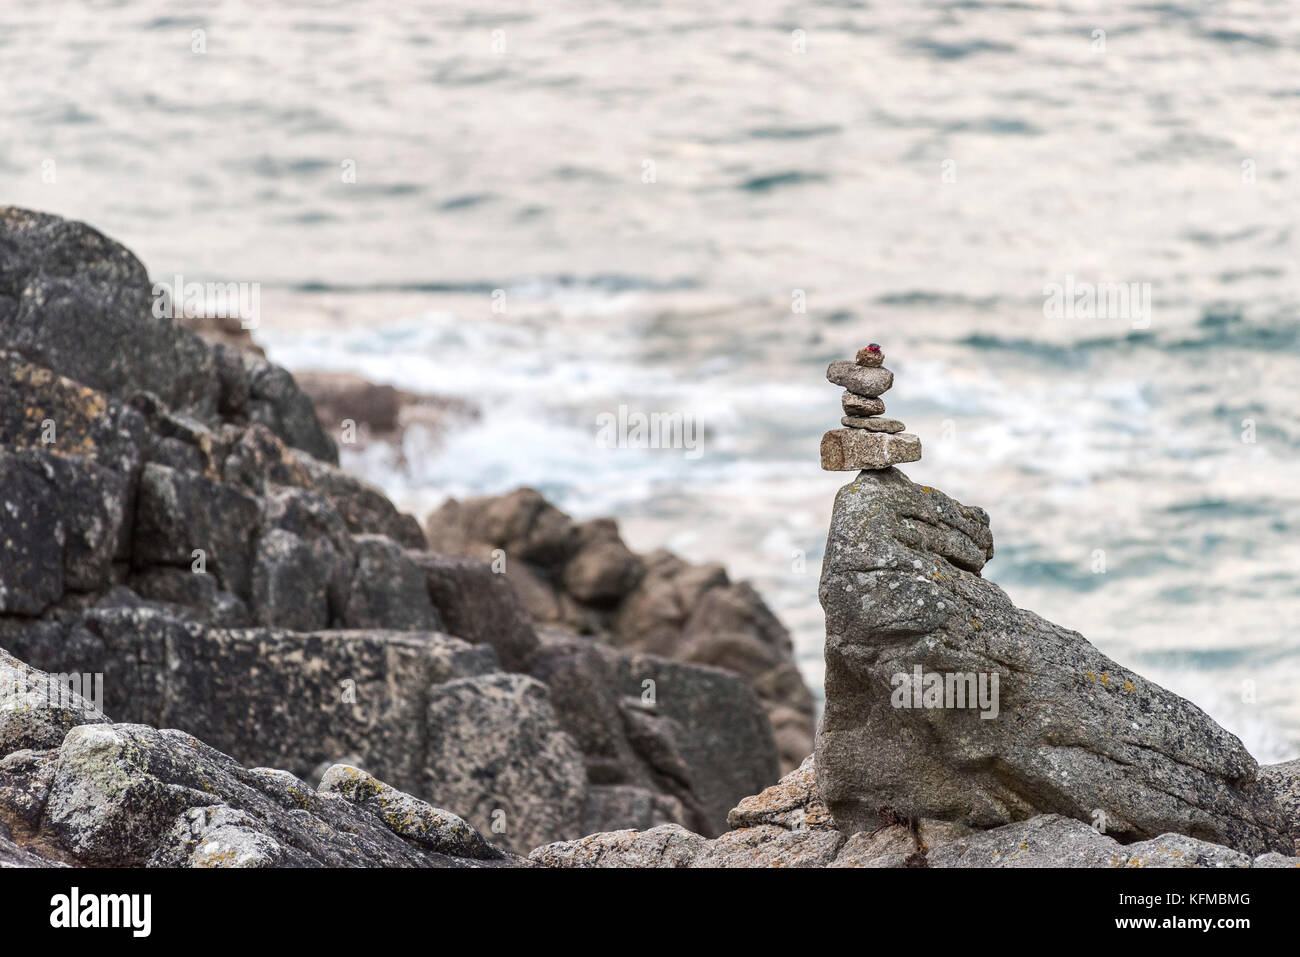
868,440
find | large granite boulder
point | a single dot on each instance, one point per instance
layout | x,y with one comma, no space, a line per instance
1069,732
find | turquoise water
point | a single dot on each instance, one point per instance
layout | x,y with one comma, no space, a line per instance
654,189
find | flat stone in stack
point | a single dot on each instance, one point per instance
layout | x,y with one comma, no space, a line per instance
867,441
848,450
873,423
861,404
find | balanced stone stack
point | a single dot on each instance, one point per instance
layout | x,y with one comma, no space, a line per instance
868,440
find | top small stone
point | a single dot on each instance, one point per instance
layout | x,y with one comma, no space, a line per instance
871,357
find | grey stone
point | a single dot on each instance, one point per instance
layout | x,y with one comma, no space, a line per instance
1283,782
668,845
257,460
479,605
388,589
1274,859
1179,850
861,404
197,592
597,695
180,512
1048,840
84,308
32,535
419,822
265,696
675,609
80,304
793,803
894,845
220,837
293,700
770,846
25,780
129,795
496,756
1075,733
86,423
274,400
38,709
860,380
584,688
62,522
735,757
12,855
105,336
874,423
291,581
847,450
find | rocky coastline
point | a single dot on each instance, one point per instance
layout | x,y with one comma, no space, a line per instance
218,649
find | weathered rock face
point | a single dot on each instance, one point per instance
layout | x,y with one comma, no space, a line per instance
130,795
1283,782
479,605
581,575
495,751
419,708
161,529
679,742
80,303
1073,734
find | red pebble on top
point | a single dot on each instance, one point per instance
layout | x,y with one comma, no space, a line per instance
871,356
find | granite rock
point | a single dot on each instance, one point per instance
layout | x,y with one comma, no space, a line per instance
861,405
496,754
873,423
1179,850
847,450
668,845
860,380
1047,840
1073,733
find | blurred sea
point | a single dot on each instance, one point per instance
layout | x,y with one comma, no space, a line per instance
654,188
